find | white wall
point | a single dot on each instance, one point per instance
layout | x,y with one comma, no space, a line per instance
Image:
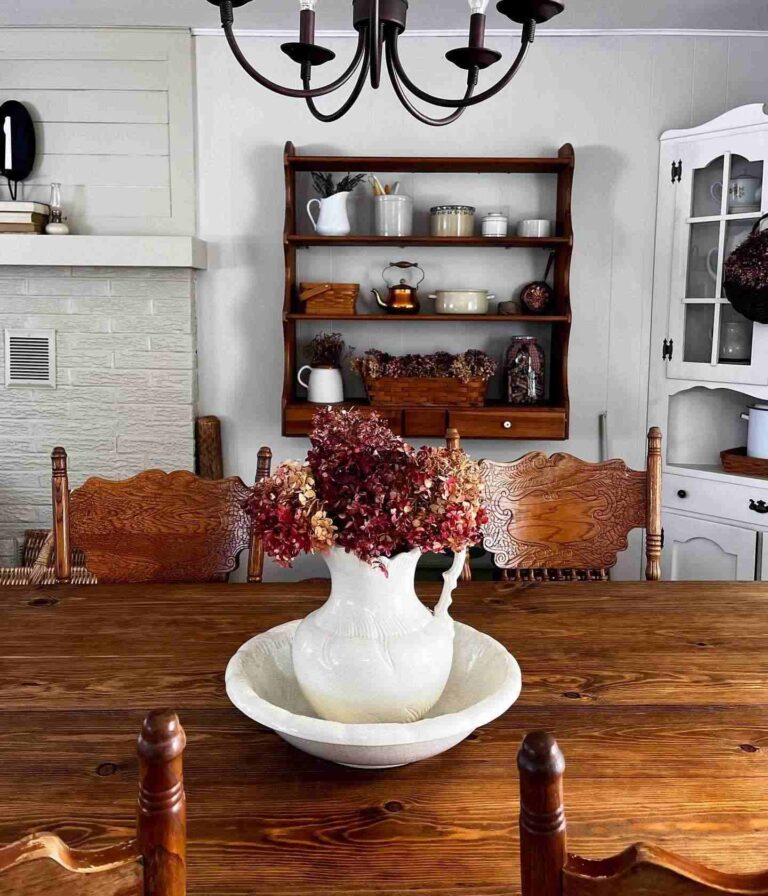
611,96
113,111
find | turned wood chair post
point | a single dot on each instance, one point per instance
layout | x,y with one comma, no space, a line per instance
653,532
542,815
162,809
256,552
60,495
453,443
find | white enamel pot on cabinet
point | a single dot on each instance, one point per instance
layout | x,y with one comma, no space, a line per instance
757,437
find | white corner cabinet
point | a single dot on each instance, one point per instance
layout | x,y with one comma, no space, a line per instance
708,363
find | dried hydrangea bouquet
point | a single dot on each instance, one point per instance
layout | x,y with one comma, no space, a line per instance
371,504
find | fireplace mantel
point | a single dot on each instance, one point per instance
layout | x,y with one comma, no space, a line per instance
103,251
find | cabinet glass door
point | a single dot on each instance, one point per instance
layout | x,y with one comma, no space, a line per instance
718,200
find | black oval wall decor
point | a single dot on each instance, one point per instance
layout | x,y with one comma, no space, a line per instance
17,141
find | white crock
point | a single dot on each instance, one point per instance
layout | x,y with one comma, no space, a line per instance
373,652
757,435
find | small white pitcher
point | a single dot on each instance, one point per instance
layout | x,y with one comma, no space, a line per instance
333,219
325,385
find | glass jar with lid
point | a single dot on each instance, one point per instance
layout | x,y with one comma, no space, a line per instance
452,220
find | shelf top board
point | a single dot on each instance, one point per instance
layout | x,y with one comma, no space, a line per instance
102,251
417,318
511,242
433,164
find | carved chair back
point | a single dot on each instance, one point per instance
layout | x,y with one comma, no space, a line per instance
560,517
547,869
154,527
152,864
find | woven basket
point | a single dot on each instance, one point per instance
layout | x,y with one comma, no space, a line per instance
329,298
417,391
735,460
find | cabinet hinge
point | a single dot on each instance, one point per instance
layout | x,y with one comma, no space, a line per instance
662,539
677,171
667,350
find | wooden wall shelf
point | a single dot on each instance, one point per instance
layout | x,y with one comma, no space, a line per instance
454,242
496,420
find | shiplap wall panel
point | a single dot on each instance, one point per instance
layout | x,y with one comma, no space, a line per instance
115,124
139,106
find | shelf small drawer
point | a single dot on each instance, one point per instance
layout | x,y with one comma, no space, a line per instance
425,422
723,500
509,423
298,418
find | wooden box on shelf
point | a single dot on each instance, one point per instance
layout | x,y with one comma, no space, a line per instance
328,298
425,391
735,460
425,410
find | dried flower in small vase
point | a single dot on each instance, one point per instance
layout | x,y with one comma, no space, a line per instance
326,350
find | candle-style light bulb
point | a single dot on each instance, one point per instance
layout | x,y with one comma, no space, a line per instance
478,6
311,4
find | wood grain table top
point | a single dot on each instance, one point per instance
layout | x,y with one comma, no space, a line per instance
657,693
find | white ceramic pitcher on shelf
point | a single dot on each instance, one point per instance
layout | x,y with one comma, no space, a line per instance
325,385
332,219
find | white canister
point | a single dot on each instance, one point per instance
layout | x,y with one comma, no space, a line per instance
393,215
757,436
325,385
534,227
495,225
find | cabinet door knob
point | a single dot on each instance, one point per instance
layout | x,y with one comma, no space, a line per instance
758,506
682,493
507,424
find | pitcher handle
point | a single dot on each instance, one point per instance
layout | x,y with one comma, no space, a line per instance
309,211
711,267
298,376
451,580
716,188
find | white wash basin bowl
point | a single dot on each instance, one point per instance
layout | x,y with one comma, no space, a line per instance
484,682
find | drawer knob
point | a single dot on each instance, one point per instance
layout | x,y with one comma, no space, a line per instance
758,506
507,424
682,493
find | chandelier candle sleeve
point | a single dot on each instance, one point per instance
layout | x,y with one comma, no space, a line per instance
379,24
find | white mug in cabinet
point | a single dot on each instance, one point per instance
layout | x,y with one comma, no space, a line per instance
744,194
325,385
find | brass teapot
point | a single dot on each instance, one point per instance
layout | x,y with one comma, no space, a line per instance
403,297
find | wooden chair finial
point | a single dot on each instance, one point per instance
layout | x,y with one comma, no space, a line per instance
162,811
60,499
542,815
256,552
452,438
653,533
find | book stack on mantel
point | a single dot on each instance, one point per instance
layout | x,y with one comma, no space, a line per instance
23,217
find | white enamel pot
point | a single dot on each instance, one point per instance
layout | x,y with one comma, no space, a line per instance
757,436
461,301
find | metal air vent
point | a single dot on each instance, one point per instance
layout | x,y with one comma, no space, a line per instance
30,358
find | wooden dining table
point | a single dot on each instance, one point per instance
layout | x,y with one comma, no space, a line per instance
657,693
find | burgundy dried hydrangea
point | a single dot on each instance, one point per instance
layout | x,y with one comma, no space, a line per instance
472,364
747,266
368,491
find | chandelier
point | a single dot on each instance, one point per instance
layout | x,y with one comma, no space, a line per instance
379,24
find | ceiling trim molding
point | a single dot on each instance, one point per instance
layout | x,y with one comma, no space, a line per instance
498,32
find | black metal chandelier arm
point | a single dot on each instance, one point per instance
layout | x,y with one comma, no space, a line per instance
416,113
374,42
356,90
526,40
291,91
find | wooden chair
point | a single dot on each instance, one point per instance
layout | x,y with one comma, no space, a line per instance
547,869
559,518
152,864
154,527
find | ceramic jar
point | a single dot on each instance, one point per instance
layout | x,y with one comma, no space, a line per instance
735,341
495,225
452,220
373,652
332,219
525,371
393,215
325,385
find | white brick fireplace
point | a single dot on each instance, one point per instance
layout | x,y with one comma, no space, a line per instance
125,390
